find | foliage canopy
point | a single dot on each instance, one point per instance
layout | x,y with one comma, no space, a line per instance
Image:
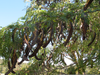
72,28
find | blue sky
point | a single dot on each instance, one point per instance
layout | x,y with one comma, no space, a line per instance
11,10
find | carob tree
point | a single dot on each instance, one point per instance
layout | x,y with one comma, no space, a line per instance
26,39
